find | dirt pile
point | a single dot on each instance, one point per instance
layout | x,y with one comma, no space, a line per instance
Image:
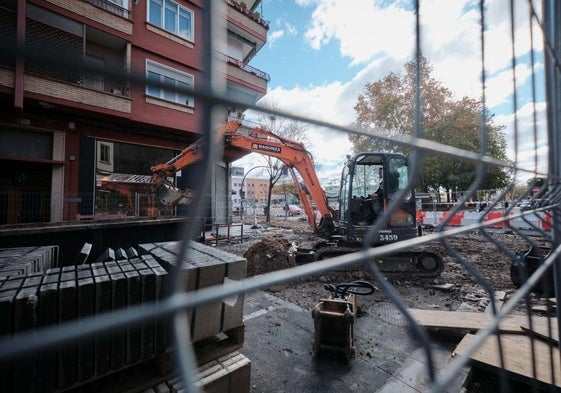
268,255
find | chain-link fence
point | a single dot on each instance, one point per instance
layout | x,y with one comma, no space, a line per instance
176,304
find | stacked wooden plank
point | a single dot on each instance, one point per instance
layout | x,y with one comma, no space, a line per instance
529,346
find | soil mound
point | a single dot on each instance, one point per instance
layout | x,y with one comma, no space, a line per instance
268,255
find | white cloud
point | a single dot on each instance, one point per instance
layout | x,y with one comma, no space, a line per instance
327,146
273,37
305,3
291,29
362,30
450,33
527,140
283,29
381,39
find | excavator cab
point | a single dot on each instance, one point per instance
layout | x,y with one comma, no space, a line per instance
368,182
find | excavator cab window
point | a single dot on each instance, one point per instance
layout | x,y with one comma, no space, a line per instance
344,194
397,174
368,181
361,198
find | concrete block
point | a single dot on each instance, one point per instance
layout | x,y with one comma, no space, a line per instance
206,320
25,306
102,305
134,297
162,388
86,305
118,302
67,309
47,314
107,255
230,373
7,299
232,308
204,267
148,295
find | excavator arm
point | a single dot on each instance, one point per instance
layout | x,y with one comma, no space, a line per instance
167,193
170,195
257,140
295,156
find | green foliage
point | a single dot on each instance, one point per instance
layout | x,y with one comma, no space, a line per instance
285,188
386,110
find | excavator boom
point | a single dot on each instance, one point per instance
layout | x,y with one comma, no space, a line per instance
253,140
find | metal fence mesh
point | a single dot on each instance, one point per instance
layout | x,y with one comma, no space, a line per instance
547,25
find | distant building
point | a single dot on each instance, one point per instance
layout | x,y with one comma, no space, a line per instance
254,191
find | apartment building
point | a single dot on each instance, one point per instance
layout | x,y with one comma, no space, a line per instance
255,191
80,123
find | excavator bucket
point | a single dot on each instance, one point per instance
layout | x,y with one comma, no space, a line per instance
170,196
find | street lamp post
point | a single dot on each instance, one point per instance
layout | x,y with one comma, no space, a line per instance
242,192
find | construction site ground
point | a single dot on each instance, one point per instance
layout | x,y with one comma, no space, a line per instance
279,328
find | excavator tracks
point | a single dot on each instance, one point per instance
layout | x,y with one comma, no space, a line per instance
420,264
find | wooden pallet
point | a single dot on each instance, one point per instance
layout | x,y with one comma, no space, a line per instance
207,350
463,321
220,345
517,357
518,342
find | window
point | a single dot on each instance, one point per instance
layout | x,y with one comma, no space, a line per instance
171,83
171,17
398,174
105,153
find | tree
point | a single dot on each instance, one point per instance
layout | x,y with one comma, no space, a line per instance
538,186
285,187
386,108
275,168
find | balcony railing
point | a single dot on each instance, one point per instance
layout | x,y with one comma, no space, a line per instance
104,85
111,7
245,67
251,15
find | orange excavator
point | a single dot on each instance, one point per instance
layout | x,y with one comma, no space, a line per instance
257,140
368,182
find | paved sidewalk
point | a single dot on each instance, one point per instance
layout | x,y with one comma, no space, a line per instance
278,342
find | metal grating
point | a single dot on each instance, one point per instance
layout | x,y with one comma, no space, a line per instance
547,26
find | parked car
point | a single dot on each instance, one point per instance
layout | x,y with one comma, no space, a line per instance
294,210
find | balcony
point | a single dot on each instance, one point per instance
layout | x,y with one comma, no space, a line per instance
105,12
245,67
97,78
111,6
246,29
255,16
244,83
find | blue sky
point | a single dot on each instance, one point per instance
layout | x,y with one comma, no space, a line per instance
321,53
